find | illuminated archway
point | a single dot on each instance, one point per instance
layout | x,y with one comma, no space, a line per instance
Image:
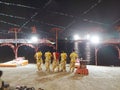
98,48
28,45
8,44
7,51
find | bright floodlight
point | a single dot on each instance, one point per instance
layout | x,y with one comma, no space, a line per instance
95,39
76,37
87,36
34,39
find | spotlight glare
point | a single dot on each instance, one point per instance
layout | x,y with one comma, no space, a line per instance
87,36
95,39
34,39
76,37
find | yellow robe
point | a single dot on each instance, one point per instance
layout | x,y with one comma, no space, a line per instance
73,57
63,61
48,56
39,60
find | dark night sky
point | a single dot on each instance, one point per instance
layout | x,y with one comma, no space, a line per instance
71,16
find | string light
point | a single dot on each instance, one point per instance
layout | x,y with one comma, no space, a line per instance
19,5
91,7
46,4
63,14
2,14
9,23
27,19
91,21
116,21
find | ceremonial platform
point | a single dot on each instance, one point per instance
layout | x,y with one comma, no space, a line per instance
82,68
20,61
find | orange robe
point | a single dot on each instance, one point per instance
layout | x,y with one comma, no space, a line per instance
55,63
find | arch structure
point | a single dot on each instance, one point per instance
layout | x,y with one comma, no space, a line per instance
106,44
24,42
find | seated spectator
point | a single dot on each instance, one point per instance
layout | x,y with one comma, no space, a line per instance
3,85
1,81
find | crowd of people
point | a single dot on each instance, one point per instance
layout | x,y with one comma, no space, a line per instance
6,86
26,88
58,60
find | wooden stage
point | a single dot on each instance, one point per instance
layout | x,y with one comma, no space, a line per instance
14,63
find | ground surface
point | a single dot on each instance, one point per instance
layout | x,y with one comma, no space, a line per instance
99,78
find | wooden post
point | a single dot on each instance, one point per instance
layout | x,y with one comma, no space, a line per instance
56,36
96,51
15,31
